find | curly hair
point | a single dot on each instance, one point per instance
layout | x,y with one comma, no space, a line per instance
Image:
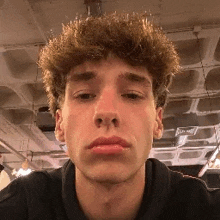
131,38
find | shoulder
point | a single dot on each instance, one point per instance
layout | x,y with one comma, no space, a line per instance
192,199
188,197
13,201
22,186
197,190
26,193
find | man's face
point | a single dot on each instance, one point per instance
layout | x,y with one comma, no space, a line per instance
106,99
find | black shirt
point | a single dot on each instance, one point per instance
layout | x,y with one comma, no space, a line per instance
51,195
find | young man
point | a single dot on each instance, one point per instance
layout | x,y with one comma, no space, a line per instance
107,81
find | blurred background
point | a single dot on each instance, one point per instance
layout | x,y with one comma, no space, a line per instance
190,143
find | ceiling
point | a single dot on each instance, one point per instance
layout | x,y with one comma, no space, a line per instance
192,116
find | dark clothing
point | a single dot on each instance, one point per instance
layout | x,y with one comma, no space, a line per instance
51,195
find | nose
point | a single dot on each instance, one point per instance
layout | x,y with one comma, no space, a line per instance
106,112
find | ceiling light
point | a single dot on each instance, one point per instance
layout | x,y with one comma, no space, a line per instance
25,170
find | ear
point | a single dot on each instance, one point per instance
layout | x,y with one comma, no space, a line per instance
158,129
59,130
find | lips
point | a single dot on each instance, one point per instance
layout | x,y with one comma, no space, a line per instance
114,140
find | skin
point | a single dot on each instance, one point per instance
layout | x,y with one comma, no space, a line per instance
109,186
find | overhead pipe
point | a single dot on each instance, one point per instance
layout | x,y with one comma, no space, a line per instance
206,166
19,155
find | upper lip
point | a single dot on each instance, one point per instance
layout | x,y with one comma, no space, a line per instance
109,141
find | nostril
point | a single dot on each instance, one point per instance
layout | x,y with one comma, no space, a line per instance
115,122
99,120
106,121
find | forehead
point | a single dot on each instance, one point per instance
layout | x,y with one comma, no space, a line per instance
110,69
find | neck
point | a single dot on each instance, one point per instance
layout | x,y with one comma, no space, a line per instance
110,201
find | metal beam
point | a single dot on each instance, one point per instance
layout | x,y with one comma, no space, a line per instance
206,166
45,153
6,47
19,155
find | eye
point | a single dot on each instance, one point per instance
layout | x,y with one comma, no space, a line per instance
132,96
85,96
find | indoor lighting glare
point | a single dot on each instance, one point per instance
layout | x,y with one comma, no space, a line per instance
21,172
24,171
215,164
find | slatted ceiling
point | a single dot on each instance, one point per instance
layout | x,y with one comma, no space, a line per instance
178,107
188,51
203,134
185,82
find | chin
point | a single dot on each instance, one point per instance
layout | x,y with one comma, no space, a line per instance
111,175
111,180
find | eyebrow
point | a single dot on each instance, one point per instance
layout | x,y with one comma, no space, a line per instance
82,77
135,78
128,76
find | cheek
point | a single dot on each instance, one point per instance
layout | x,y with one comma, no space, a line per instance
73,116
138,124
77,123
147,123
145,118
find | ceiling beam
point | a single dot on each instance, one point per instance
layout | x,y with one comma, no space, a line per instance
19,155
